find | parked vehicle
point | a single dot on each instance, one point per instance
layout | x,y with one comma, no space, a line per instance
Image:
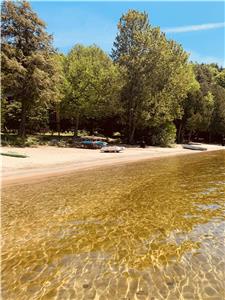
90,144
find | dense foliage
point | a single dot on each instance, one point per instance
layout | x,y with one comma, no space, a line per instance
93,85
158,75
27,67
146,88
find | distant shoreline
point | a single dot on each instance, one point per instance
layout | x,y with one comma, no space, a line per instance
46,162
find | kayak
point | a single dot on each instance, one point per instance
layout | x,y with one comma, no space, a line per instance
13,154
194,147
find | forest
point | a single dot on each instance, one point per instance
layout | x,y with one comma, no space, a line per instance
146,88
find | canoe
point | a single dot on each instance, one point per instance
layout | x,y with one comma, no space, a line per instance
194,143
116,149
12,154
194,147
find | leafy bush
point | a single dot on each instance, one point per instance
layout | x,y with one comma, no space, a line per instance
62,144
83,133
4,143
42,142
12,140
53,142
16,141
164,135
31,141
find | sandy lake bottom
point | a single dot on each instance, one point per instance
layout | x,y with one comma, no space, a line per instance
146,230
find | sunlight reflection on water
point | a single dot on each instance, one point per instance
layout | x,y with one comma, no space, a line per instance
149,230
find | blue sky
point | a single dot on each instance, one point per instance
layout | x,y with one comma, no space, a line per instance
198,26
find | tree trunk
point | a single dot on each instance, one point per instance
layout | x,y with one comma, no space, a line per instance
22,128
58,120
189,136
210,137
131,126
131,135
92,128
179,136
132,129
76,126
5,129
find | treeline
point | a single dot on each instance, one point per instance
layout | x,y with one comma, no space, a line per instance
146,88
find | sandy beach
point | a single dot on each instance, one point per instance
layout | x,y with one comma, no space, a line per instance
45,161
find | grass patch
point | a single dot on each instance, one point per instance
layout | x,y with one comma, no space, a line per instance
13,140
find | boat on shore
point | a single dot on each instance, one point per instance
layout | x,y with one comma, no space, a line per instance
194,147
194,143
116,149
14,154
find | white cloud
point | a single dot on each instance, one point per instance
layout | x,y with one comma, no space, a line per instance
196,57
194,27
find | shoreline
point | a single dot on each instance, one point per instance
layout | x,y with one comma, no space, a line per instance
48,162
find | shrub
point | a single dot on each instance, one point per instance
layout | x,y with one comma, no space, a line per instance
62,144
83,133
12,140
53,142
4,143
31,141
164,135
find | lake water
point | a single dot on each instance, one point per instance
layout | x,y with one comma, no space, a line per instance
146,230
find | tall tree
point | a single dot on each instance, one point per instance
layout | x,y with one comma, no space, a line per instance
200,104
26,57
60,89
220,78
218,120
127,51
200,111
158,75
93,85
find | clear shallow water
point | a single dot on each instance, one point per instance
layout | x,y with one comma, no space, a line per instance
149,230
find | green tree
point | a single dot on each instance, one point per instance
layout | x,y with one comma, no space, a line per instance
26,58
60,88
157,73
201,112
10,114
218,121
128,47
220,78
199,107
94,84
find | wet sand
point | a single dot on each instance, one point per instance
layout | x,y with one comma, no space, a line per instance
45,161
